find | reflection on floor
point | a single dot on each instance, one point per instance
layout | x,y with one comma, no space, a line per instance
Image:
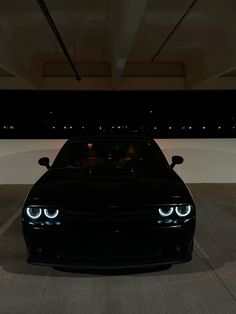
207,284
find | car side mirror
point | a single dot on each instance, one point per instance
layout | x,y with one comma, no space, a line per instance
44,161
176,160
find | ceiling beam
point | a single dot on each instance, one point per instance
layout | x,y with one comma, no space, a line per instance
125,18
216,60
215,54
11,60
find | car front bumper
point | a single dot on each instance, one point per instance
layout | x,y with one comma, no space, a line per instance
109,248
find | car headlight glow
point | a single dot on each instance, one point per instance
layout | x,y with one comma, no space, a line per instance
33,212
183,210
166,211
51,213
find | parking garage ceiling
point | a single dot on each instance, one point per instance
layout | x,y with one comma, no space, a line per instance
185,40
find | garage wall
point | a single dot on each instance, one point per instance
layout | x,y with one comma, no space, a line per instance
206,160
19,159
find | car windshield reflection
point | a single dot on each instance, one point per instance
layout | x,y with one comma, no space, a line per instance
113,157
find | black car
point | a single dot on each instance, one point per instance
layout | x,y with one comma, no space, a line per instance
109,202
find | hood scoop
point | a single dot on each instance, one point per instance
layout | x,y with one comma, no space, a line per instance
108,182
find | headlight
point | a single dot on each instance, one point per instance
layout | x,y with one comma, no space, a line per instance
166,211
183,210
51,213
33,212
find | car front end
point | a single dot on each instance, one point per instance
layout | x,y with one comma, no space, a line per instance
109,203
109,237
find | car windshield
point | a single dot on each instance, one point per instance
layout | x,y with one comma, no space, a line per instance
111,157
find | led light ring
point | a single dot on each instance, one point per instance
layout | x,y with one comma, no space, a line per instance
28,209
186,214
163,214
46,213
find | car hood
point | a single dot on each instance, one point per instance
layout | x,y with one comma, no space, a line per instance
58,187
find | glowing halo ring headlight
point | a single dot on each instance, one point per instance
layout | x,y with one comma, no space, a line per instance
165,212
51,213
33,212
183,210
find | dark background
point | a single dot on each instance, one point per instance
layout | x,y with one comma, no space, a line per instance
163,114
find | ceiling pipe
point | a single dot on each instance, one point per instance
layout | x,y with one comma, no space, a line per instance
58,36
173,30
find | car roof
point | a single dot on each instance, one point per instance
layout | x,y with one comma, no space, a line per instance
106,137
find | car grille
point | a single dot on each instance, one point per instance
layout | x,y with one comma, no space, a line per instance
112,213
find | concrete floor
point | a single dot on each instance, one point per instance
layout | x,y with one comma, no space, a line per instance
207,284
